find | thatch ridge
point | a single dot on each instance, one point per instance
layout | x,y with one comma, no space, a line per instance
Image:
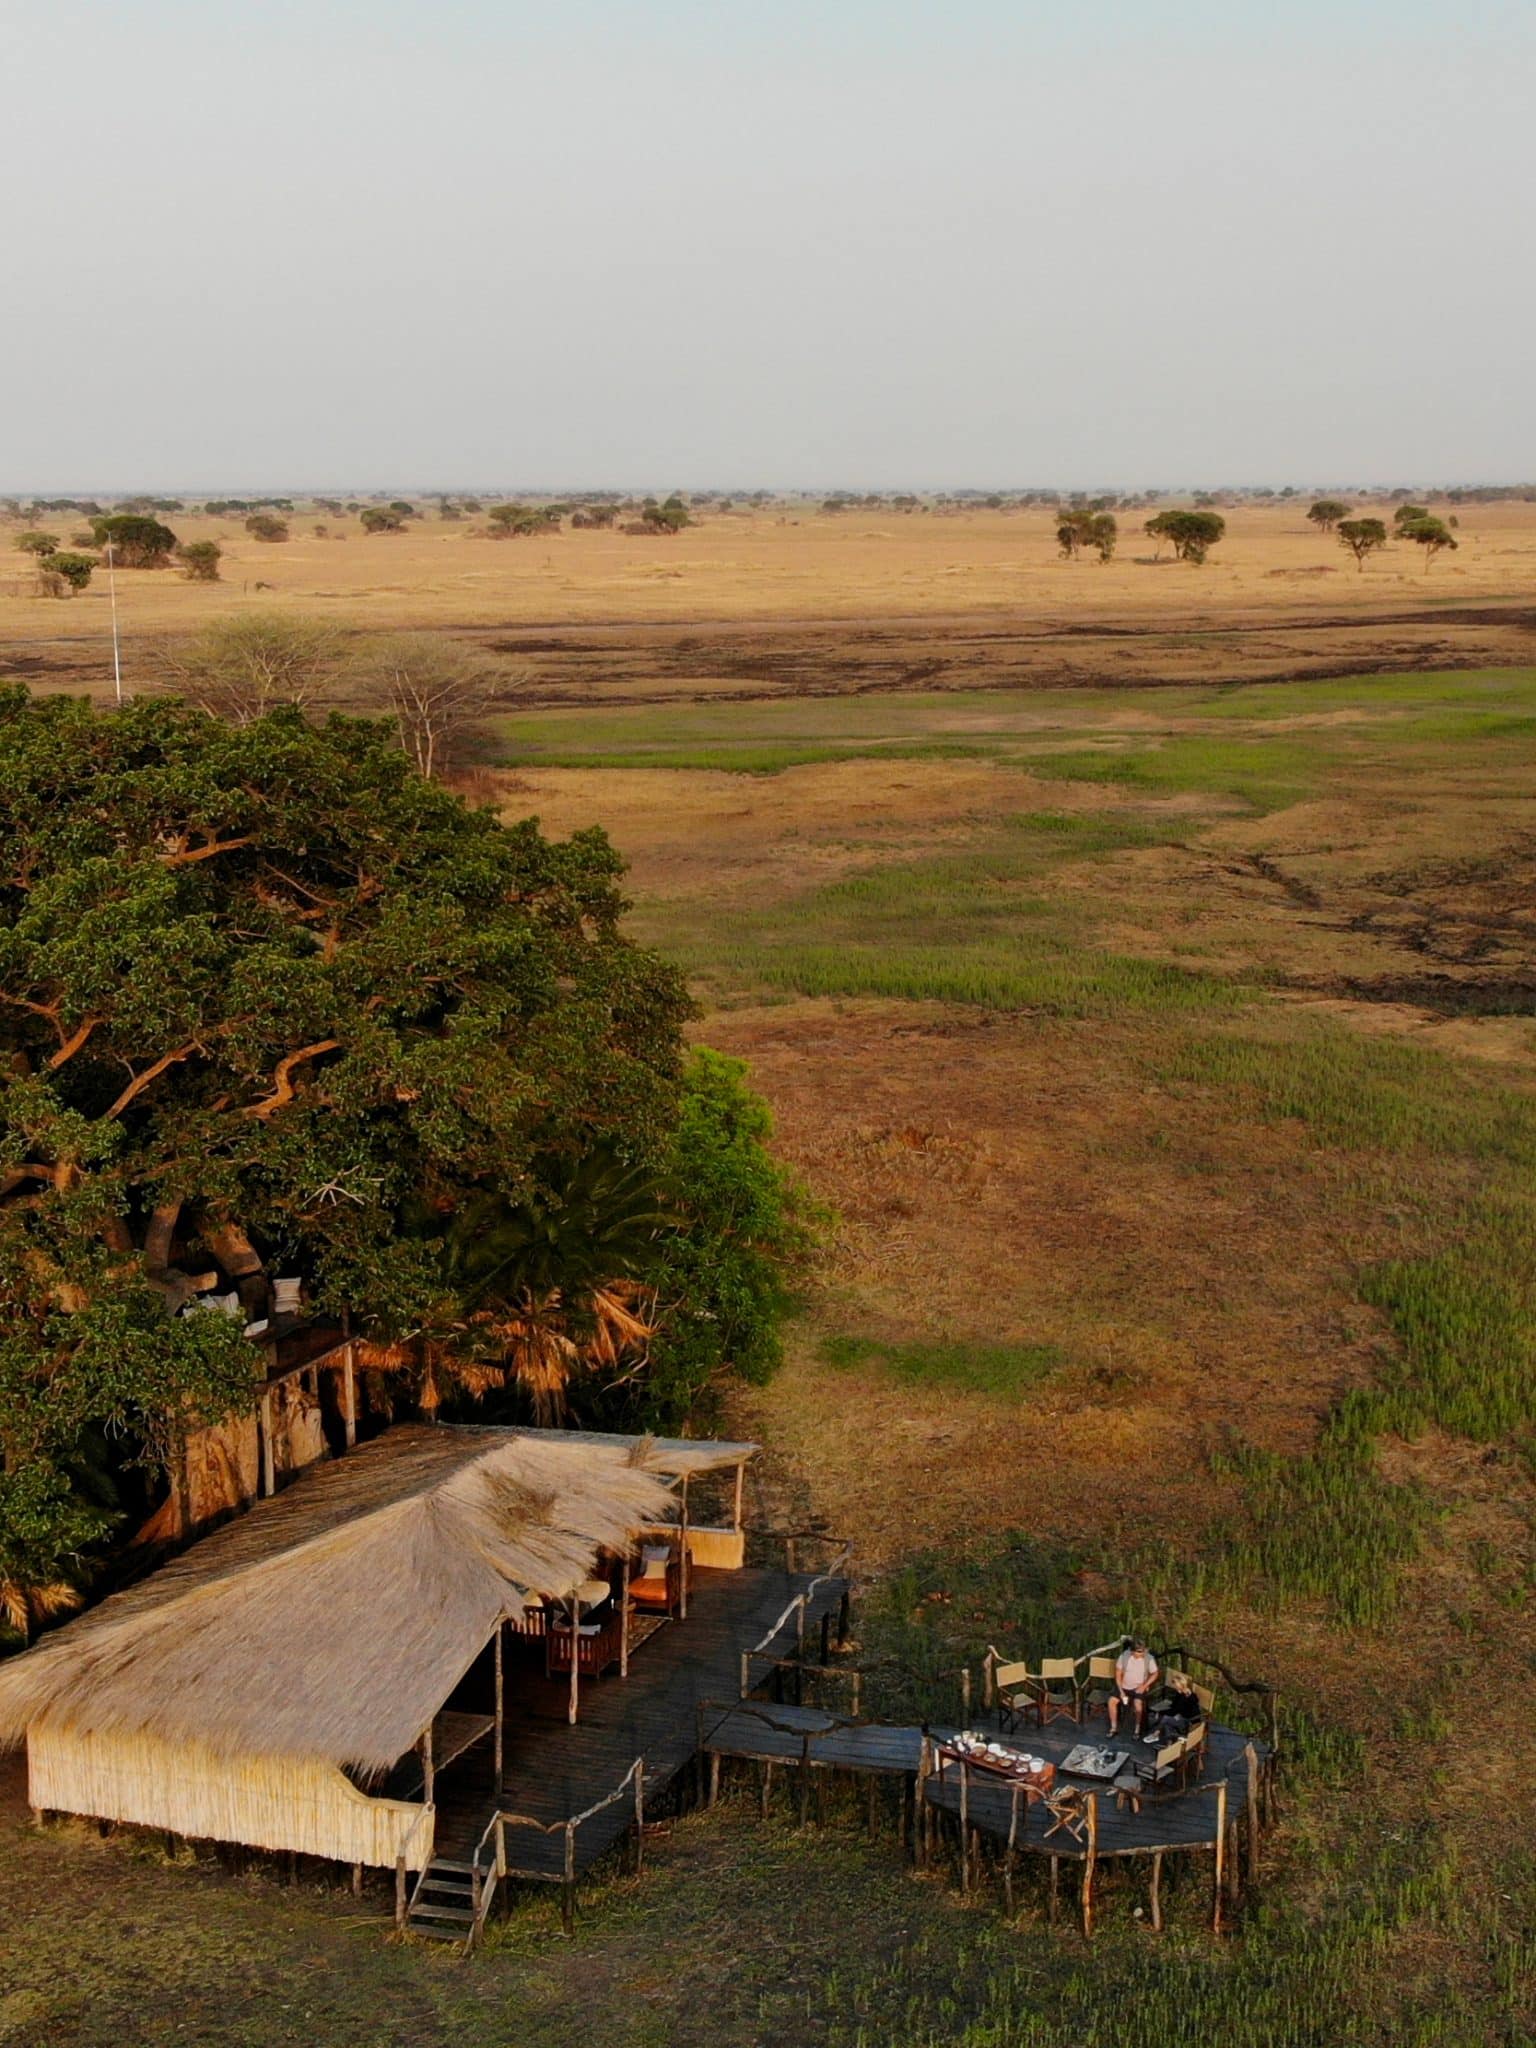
333,1620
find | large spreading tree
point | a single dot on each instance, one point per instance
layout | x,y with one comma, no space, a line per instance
271,1001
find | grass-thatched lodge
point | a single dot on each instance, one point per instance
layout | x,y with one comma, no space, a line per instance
299,1678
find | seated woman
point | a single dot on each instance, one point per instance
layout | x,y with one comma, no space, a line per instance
1178,1714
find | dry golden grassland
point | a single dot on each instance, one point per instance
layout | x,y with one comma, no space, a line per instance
759,603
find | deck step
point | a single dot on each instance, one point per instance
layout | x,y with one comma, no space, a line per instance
450,1887
430,1930
460,1914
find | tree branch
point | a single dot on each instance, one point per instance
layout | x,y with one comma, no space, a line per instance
184,856
141,1081
282,1078
73,1043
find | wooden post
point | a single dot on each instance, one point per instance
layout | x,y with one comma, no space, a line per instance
741,1473
714,1777
789,1554
570,1711
1090,1861
1251,1766
349,1395
264,1429
826,1637
639,1818
767,1791
805,1777
1221,1845
842,1617
624,1615
920,1805
800,1626
682,1557
500,1705
501,1846
965,1694
965,1828
1055,1896
428,1774
400,1898
357,1880
1157,1891
1013,1836
568,1889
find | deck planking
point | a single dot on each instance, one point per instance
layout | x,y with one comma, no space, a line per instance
553,1770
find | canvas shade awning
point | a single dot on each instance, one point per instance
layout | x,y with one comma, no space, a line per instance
333,1620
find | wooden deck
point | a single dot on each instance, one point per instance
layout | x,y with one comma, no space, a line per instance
1167,1820
553,1770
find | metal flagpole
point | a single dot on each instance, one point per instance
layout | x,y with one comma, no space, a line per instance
117,664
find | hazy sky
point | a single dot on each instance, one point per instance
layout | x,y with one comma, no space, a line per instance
352,243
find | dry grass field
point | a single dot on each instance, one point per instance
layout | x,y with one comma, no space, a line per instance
763,603
1164,1051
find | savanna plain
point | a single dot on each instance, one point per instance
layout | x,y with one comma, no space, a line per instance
1141,965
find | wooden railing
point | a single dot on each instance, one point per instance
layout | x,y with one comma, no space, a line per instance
799,1604
488,1866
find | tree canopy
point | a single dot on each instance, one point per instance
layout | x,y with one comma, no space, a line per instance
1193,534
266,994
1362,537
1327,512
136,540
1429,533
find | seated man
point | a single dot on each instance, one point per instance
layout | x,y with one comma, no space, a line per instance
1135,1676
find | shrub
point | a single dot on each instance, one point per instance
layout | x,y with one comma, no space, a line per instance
200,560
68,572
266,526
37,543
375,519
136,540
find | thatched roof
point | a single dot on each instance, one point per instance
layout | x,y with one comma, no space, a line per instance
333,1620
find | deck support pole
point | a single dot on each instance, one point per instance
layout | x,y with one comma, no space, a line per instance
1090,1862
640,1820
568,1888
1054,1905
920,1807
500,1705
826,1638
357,1880
400,1899
842,1619
714,1777
1013,1836
965,1829
428,1774
1157,1891
1221,1845
741,1474
571,1705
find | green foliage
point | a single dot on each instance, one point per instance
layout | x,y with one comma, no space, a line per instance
66,571
1191,534
136,540
1327,512
1085,528
266,526
671,516
722,1274
268,977
35,543
376,519
200,560
521,521
1409,515
1362,537
1432,535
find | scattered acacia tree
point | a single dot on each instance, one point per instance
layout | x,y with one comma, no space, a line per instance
1362,537
63,574
670,516
1408,515
1191,534
136,540
403,507
266,994
1076,530
1327,512
1432,535
376,519
241,668
520,521
200,560
266,526
34,543
438,690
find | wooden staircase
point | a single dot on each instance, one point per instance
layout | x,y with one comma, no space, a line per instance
442,1906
